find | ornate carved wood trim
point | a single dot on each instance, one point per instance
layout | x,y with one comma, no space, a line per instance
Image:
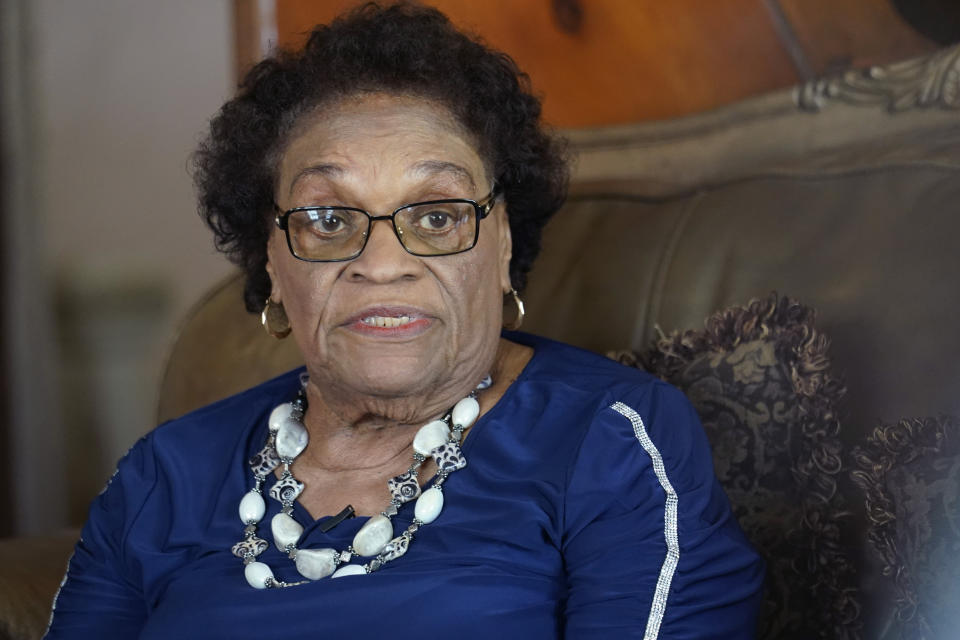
902,114
932,81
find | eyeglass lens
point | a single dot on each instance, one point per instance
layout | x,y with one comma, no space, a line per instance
424,229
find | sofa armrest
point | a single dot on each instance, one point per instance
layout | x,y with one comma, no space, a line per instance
32,569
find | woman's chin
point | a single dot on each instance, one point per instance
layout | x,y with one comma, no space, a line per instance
422,367
393,376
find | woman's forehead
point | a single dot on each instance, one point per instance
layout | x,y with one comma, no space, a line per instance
372,134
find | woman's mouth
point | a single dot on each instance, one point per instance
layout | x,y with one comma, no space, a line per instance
385,322
393,323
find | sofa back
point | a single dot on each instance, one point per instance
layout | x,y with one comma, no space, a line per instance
843,194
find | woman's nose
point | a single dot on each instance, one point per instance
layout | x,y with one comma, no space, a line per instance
383,258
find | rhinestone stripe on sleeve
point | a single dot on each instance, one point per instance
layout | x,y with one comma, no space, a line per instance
659,604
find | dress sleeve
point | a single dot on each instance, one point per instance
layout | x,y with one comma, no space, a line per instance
650,546
101,596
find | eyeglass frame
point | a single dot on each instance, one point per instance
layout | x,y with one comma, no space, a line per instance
482,207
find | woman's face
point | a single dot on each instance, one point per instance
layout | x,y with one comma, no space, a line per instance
443,313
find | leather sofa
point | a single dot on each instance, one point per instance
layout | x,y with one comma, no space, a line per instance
841,194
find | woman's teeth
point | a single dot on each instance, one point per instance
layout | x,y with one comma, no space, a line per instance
385,322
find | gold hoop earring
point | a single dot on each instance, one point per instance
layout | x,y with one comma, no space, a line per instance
274,319
517,320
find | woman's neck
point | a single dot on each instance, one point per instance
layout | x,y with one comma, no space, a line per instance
355,432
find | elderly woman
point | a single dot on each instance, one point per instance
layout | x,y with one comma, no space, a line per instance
426,474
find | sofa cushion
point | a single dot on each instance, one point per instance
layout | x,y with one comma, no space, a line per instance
760,379
910,474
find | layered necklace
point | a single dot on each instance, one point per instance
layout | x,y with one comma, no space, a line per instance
287,437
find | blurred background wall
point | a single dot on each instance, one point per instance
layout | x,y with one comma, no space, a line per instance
103,101
599,62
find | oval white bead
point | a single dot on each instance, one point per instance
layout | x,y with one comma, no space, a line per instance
373,536
257,574
278,415
349,570
252,507
286,531
430,436
292,438
465,412
315,563
429,505
396,548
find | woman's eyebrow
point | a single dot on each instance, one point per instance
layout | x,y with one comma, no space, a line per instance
325,169
434,167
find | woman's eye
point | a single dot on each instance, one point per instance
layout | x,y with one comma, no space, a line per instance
331,222
328,222
436,221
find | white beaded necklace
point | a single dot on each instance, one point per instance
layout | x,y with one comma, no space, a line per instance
287,438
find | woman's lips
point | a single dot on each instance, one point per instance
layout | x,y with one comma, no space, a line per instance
390,322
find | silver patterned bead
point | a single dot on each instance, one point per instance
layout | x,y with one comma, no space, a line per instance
265,461
286,489
395,548
404,487
449,458
250,547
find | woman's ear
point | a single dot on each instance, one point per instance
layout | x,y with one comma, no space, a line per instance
275,292
506,249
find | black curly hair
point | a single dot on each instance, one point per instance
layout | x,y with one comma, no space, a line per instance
403,49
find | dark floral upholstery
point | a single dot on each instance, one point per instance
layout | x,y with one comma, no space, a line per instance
910,474
760,380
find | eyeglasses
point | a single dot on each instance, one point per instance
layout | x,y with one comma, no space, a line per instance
336,234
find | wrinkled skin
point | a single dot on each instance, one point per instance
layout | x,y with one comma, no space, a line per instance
370,390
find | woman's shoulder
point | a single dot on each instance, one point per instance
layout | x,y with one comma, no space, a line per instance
198,449
221,423
582,390
563,364
596,397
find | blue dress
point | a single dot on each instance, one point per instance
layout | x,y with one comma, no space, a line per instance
588,509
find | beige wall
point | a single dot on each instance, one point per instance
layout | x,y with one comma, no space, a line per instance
105,250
